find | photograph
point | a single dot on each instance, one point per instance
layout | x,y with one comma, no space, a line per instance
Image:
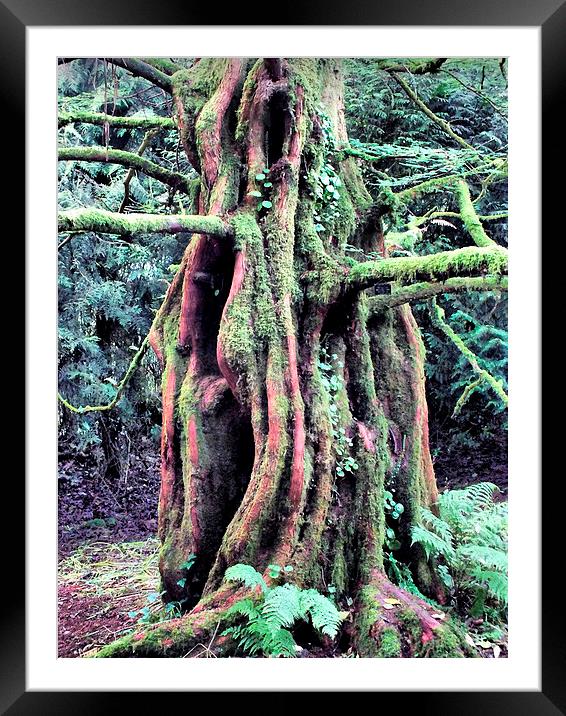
282,357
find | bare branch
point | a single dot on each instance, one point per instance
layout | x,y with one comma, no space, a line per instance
127,159
478,93
100,221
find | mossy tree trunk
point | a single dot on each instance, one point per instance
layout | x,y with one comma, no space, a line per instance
289,407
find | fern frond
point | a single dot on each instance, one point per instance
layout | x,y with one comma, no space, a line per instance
496,583
324,615
282,606
432,544
487,557
246,574
245,607
438,525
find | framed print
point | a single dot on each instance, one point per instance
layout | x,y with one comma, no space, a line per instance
291,240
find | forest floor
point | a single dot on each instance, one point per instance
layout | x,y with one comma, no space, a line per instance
108,552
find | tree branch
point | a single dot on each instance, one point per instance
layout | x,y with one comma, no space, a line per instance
119,390
127,159
416,68
438,317
102,119
420,220
162,63
100,221
131,171
469,216
449,180
422,291
478,93
139,68
430,114
469,261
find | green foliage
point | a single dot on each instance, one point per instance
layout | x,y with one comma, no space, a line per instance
270,617
109,288
154,611
469,539
329,365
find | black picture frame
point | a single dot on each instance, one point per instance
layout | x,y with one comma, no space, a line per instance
15,16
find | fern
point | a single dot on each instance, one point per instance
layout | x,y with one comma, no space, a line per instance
470,538
270,617
247,575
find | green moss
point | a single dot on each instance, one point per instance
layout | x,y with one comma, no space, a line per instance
470,217
444,264
389,643
445,644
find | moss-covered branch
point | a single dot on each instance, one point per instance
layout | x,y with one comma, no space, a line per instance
438,319
100,221
415,67
420,220
445,126
469,216
119,390
149,135
126,159
139,68
469,261
162,63
101,119
450,181
424,290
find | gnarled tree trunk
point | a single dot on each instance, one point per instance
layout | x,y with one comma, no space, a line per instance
289,405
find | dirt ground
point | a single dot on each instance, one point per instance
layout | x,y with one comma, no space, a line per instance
108,567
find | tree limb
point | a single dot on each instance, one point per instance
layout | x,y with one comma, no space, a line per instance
438,319
420,220
100,221
162,63
478,93
449,180
127,159
445,126
469,216
416,68
422,291
139,68
131,171
119,390
102,119
469,261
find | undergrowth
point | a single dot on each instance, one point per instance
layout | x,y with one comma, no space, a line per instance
270,616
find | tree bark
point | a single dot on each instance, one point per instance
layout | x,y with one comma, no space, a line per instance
288,406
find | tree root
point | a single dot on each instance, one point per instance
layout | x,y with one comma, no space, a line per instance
392,623
195,634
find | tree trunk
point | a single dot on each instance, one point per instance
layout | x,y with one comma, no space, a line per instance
288,410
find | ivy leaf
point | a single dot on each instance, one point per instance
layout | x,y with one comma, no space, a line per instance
255,193
266,204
